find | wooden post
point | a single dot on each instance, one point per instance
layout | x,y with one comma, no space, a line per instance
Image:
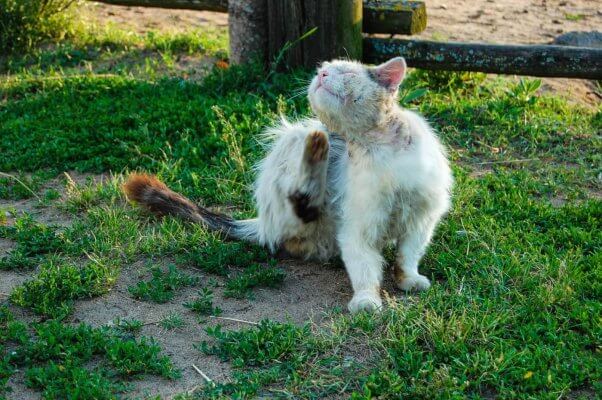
394,16
338,34
248,30
533,60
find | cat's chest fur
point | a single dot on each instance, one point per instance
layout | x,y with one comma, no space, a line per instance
389,168
388,179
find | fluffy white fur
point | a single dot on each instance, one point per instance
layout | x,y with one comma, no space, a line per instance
385,178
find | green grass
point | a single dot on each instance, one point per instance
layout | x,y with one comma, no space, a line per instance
516,265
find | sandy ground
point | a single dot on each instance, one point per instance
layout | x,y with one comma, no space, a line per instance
492,21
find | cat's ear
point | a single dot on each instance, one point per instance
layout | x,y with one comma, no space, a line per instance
391,73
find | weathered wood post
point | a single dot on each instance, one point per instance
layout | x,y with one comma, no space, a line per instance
338,34
248,30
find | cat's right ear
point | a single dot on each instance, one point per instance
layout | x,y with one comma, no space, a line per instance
390,74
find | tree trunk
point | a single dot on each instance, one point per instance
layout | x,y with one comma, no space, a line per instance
338,34
247,30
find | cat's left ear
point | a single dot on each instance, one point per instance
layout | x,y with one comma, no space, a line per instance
391,73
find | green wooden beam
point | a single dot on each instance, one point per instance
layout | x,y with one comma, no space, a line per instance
533,60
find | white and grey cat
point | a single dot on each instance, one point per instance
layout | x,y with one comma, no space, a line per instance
362,174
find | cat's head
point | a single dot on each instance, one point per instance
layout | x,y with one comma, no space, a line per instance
350,97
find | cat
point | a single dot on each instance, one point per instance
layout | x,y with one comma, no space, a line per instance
364,173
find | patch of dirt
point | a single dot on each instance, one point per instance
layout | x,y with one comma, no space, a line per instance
503,21
39,211
308,292
510,21
145,19
10,280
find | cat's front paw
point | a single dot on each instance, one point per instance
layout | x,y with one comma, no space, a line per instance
365,300
413,282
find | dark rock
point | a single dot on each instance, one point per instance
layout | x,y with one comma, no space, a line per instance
580,39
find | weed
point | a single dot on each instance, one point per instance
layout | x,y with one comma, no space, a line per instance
162,285
50,195
215,256
33,238
268,342
52,291
203,304
54,359
6,371
68,380
131,326
524,91
16,260
11,330
131,357
91,193
172,321
253,276
21,187
574,17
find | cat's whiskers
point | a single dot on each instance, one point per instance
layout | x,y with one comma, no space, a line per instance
299,92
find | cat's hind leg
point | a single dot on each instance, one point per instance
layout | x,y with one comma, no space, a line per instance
291,192
307,194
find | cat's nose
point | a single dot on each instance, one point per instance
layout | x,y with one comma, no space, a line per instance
322,74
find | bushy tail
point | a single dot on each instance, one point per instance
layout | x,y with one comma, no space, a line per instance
155,196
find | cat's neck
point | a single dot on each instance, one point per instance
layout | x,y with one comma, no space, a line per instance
391,129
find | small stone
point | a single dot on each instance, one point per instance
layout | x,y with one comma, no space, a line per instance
580,39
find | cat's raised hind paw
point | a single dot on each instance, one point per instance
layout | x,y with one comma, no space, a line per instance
413,282
316,147
365,300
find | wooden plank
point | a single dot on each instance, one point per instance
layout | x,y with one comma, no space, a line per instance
203,5
379,16
394,16
533,60
338,33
